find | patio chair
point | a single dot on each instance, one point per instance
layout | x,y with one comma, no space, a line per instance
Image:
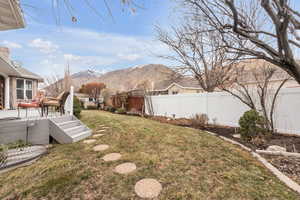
57,103
35,103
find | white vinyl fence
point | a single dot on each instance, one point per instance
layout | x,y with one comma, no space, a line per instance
224,109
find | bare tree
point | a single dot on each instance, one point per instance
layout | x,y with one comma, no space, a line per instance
200,54
67,6
146,87
67,78
54,85
93,89
261,29
258,88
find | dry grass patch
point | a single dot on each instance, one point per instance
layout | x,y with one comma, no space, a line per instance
189,164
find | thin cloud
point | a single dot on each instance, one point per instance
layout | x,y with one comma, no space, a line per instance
11,45
44,46
85,49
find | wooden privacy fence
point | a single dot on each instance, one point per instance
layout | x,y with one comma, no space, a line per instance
135,103
130,103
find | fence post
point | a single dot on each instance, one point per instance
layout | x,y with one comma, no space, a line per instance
72,100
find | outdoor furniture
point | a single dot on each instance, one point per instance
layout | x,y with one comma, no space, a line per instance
57,103
35,103
27,106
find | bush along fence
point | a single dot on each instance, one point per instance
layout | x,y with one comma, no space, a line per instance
225,109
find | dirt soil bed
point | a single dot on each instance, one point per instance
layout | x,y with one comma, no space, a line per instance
290,166
291,143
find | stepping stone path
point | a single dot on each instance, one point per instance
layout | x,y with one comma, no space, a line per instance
112,157
101,147
90,141
125,168
97,135
148,188
237,135
145,188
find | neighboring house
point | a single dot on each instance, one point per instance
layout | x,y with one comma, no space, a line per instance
245,76
246,73
16,83
11,15
177,86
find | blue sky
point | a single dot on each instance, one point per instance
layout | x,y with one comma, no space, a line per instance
101,43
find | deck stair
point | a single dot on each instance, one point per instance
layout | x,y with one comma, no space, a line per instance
68,129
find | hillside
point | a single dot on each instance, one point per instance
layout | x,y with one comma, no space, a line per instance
127,79
124,79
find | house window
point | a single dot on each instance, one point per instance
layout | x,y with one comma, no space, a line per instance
174,92
28,84
20,88
24,89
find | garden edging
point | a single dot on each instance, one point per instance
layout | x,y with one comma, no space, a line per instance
286,180
279,153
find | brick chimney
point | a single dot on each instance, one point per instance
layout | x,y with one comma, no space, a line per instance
4,53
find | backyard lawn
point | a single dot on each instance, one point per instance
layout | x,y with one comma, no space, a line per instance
189,164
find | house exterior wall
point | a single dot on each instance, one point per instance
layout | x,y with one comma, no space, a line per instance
7,93
13,91
275,84
34,88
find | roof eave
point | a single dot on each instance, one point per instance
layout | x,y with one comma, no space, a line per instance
7,69
183,87
12,15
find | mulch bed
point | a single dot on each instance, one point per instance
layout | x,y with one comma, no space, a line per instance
291,143
290,166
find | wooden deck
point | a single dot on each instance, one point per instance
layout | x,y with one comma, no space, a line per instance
35,129
31,114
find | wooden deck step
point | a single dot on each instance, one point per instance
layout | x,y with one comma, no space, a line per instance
74,130
69,124
79,136
69,130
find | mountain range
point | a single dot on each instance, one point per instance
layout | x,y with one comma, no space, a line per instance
124,79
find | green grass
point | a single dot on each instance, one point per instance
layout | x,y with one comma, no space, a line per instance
13,145
189,163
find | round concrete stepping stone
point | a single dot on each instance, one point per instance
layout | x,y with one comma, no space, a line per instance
125,168
90,141
148,188
112,157
97,135
99,131
101,147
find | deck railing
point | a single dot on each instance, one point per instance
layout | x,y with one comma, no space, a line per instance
69,102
